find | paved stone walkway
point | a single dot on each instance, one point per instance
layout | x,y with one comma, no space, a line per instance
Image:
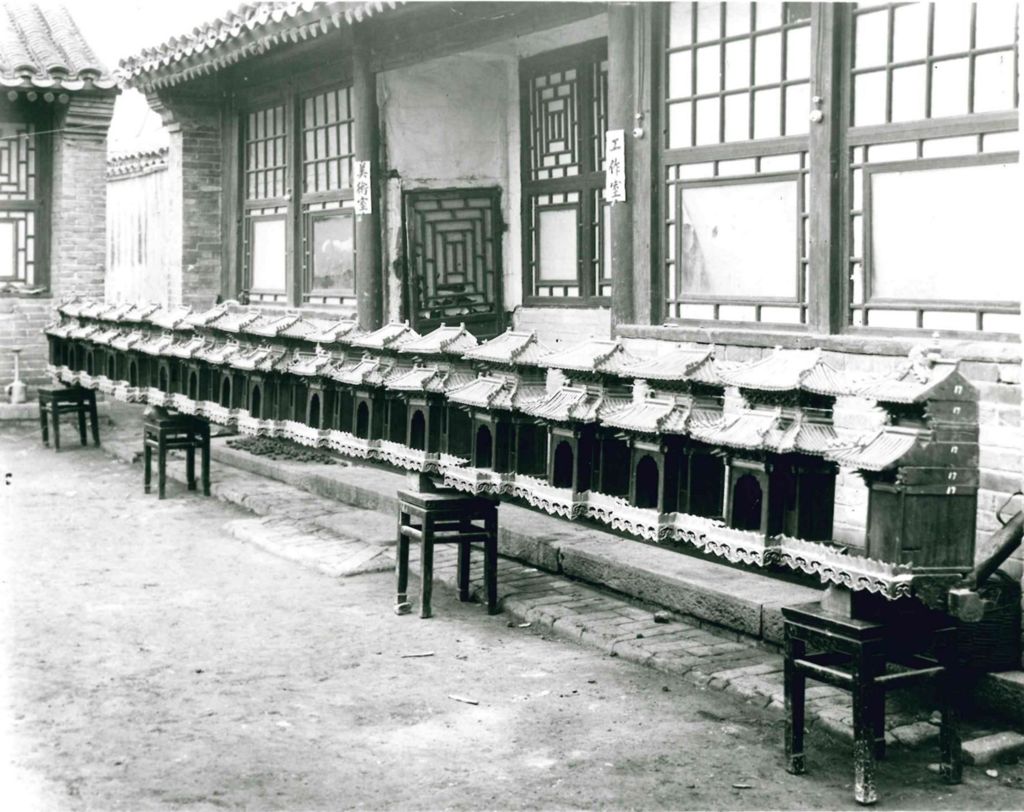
342,540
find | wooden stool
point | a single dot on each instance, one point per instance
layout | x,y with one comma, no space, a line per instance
56,401
163,432
446,518
853,655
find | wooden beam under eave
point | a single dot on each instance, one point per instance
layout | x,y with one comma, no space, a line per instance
621,107
366,133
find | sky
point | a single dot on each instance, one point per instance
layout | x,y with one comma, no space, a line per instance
119,28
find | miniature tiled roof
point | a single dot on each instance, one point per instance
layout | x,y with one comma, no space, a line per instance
234,321
803,435
105,336
365,372
506,393
138,313
262,358
651,415
72,307
270,326
311,364
912,382
134,164
169,318
597,355
575,404
787,370
882,451
511,348
217,352
442,341
83,330
116,312
155,344
746,430
127,340
207,317
188,348
389,337
251,30
60,329
321,331
677,365
428,379
41,47
92,309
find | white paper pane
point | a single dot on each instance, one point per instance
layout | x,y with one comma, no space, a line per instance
739,239
910,32
768,59
1002,323
268,254
952,27
769,14
737,313
737,18
901,151
680,75
708,72
740,166
780,163
993,82
680,30
869,99
737,117
899,319
767,113
994,23
8,241
908,93
707,121
798,53
942,147
737,64
946,234
941,320
702,312
870,42
949,88
557,243
781,315
709,21
679,125
798,108
1002,142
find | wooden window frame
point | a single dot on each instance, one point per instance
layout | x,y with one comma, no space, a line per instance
589,181
829,291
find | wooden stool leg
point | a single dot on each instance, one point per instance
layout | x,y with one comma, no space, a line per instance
491,563
55,412
878,722
161,469
94,419
147,454
190,467
205,471
402,569
462,571
426,567
44,421
794,683
80,411
951,759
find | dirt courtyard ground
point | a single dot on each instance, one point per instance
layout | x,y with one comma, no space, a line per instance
151,661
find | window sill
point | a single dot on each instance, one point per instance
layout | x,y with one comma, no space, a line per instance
8,291
1004,350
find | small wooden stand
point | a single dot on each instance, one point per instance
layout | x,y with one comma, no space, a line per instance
163,432
53,402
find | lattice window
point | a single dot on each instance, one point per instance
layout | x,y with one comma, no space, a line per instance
330,253
266,153
932,211
18,203
736,99
565,102
327,152
265,253
453,240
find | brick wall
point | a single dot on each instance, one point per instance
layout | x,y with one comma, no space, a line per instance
77,234
194,222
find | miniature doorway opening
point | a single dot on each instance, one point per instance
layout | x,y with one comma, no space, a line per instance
133,374
193,385
162,382
615,466
255,404
418,431
707,484
313,418
484,448
561,475
647,482
454,261
89,363
398,415
111,367
531,449
363,420
746,503
225,392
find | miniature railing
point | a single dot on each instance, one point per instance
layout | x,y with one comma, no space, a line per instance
395,397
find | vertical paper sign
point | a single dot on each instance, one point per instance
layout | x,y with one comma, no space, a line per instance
615,166
363,188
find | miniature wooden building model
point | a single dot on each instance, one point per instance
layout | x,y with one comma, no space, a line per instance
779,481
922,467
582,456
500,437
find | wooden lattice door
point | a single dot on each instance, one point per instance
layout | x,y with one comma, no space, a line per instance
453,246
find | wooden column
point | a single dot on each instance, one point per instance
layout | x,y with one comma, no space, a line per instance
621,107
367,139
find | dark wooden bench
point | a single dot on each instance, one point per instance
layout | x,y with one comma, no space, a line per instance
60,400
164,431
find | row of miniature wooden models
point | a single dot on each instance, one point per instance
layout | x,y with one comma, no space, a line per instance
601,392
